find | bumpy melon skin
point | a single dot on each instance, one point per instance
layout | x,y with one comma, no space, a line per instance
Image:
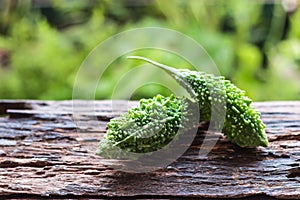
242,124
146,128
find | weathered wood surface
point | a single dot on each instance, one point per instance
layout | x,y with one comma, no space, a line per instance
42,154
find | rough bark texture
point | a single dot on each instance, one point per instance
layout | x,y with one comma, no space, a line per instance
43,154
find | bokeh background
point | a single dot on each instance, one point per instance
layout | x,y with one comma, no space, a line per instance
255,44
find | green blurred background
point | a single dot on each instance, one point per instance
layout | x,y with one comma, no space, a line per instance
255,44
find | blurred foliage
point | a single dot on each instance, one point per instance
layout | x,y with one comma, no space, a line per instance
43,43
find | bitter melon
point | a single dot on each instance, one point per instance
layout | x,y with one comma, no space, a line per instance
242,124
148,127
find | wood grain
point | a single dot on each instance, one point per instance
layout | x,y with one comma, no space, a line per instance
44,154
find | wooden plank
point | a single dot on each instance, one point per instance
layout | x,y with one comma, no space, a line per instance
42,154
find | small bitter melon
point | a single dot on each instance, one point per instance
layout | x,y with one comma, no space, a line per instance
242,123
148,127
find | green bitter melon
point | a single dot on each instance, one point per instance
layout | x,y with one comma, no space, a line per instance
242,123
